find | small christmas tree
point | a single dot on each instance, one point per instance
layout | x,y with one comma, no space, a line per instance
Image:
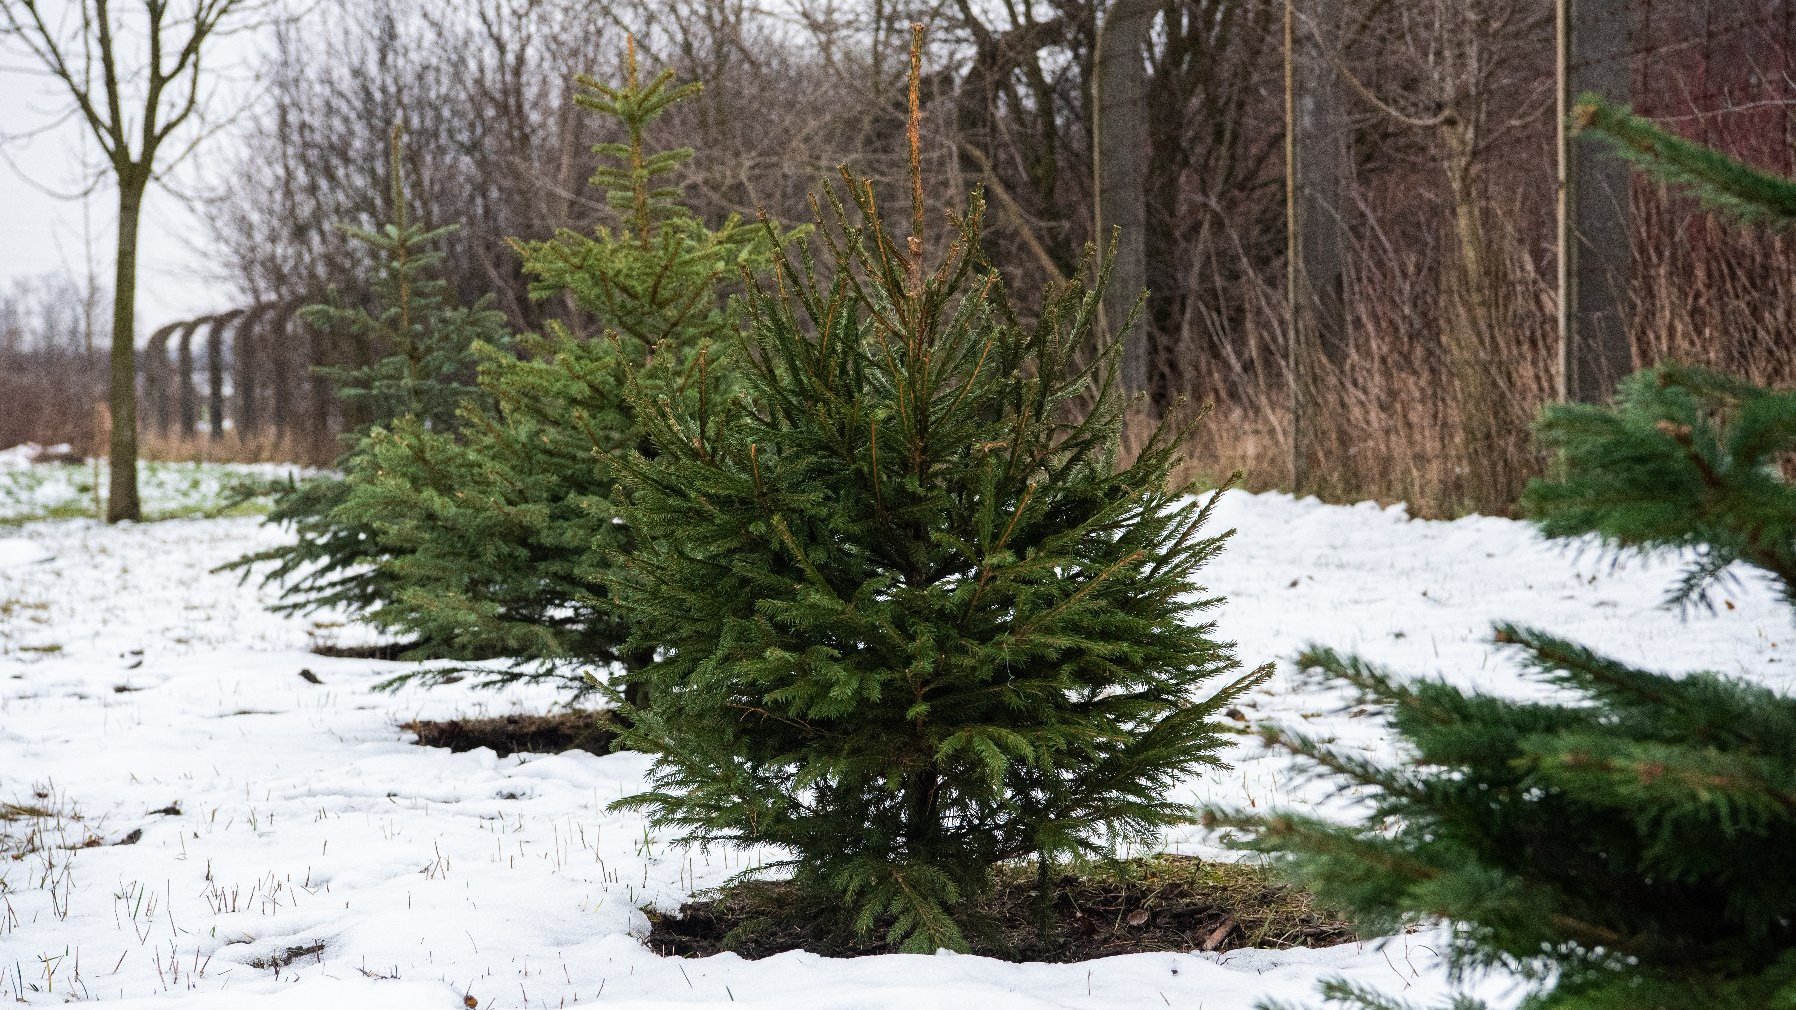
425,372
1623,848
497,537
913,620
427,369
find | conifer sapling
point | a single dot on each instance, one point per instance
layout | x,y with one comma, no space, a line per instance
1686,458
494,537
913,618
422,345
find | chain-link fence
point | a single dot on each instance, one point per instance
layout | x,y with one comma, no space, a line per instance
1722,72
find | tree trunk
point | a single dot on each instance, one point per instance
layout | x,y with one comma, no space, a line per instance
215,398
246,348
154,368
1475,292
189,395
1595,261
280,348
1317,165
1120,152
121,501
323,448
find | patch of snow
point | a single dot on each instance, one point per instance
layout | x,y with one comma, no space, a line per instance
27,453
133,679
52,489
19,551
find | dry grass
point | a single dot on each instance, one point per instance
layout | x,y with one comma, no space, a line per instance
44,822
1402,445
1400,422
229,448
39,837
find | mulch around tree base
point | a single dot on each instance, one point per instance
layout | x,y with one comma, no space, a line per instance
1160,903
383,651
581,729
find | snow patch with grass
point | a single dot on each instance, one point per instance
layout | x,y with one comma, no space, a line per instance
198,825
34,488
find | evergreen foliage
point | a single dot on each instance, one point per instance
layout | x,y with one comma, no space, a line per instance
428,371
913,619
1715,178
1686,459
1622,848
425,372
496,538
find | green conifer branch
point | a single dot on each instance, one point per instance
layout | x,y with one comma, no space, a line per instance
1723,182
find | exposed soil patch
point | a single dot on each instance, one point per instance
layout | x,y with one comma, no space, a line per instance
277,961
1161,903
581,729
386,652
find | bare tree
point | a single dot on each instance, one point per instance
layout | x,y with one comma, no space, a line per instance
1460,67
1120,153
1318,160
46,365
133,111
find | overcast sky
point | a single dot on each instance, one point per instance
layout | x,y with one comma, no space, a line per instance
41,215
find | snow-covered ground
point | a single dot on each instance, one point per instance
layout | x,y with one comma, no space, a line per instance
164,704
31,490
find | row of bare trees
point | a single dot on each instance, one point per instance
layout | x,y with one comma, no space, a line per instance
482,91
1164,118
239,383
1426,272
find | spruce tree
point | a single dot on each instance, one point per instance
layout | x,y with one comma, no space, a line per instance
1624,847
1685,460
1724,183
496,537
424,369
913,618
